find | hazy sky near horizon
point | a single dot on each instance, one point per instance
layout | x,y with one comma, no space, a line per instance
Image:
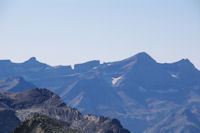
64,32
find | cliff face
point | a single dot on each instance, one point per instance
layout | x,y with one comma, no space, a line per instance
28,103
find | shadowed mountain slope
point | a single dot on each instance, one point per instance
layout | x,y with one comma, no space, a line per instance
8,120
16,84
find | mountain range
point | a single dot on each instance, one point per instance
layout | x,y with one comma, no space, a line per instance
146,96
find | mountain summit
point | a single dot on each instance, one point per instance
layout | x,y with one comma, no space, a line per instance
32,59
143,56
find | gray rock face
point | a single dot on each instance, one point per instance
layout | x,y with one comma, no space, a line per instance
33,101
43,124
138,91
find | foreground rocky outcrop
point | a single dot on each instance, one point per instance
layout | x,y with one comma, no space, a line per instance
28,103
43,124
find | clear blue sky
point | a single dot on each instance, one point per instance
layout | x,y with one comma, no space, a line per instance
74,31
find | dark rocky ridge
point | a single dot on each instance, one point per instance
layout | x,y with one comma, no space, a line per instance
42,101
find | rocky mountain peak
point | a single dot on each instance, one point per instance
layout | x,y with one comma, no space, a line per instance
185,62
143,57
140,59
32,59
33,64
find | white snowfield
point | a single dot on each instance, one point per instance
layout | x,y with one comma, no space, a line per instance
116,80
174,75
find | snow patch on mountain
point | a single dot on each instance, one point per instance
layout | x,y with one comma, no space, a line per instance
174,76
115,81
94,67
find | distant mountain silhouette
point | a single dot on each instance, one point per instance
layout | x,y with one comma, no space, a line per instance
139,91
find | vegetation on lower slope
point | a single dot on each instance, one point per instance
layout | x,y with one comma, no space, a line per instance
43,124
